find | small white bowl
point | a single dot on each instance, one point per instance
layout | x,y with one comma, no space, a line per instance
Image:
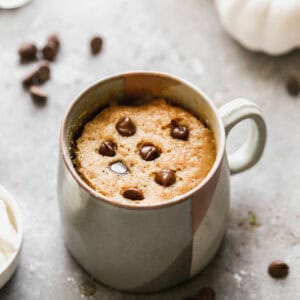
11,265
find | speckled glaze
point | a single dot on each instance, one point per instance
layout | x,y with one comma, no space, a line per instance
153,247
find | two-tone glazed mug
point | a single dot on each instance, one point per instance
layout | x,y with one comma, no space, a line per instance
150,248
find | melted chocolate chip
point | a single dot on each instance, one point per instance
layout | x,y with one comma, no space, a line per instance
165,177
149,152
119,168
178,131
133,194
126,127
108,148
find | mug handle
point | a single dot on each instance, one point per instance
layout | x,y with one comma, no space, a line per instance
250,152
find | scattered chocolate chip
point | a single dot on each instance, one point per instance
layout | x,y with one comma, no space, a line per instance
293,85
165,177
37,77
133,194
27,52
96,45
53,38
126,127
178,131
119,168
87,288
108,148
206,293
49,51
37,94
278,269
149,152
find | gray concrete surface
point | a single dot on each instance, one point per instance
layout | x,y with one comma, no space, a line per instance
181,37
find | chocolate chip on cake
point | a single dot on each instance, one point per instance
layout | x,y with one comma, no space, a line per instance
96,45
119,168
108,148
278,269
37,94
206,293
126,127
133,194
149,152
27,52
37,77
178,131
293,85
165,177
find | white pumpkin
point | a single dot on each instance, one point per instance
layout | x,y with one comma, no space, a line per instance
271,26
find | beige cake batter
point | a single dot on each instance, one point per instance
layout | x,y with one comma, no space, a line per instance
189,158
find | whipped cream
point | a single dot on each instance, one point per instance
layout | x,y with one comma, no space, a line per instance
8,235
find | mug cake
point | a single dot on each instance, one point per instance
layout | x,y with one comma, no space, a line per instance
144,154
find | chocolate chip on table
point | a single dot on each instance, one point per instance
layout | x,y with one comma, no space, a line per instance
293,85
278,269
125,127
51,48
165,177
149,152
133,194
96,45
108,148
27,52
119,168
49,51
37,94
178,131
206,293
53,38
37,77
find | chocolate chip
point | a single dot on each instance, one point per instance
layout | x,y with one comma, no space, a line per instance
133,194
49,51
206,293
119,168
126,127
53,38
37,77
37,94
165,177
293,85
149,152
178,131
27,52
278,269
108,148
96,45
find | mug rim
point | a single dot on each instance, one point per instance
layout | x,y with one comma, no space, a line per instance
170,202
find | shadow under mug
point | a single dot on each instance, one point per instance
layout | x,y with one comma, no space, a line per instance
143,248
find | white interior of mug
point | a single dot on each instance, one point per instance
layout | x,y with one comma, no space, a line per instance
134,88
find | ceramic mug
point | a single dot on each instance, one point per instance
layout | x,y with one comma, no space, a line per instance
146,248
